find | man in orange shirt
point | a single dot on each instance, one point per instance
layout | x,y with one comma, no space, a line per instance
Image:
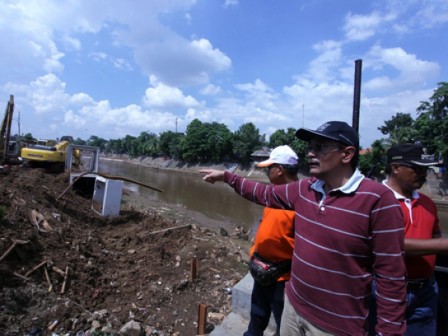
274,242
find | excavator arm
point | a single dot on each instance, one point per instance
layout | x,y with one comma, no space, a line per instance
5,131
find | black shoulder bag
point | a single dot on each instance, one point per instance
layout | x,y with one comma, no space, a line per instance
266,272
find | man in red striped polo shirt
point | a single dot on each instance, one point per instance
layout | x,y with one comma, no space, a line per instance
348,229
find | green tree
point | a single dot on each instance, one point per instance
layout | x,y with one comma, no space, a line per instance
219,142
299,146
399,128
97,142
432,123
194,146
246,140
115,146
170,144
128,145
278,138
28,136
146,144
79,141
282,137
372,163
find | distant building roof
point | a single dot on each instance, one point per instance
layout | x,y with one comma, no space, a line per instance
365,151
261,153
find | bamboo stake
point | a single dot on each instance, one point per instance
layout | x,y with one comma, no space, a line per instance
107,177
53,325
50,286
65,280
58,270
14,243
36,267
172,228
70,185
202,318
128,180
21,276
194,268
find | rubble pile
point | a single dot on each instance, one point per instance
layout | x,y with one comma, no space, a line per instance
65,270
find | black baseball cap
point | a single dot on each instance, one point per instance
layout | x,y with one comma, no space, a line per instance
334,130
411,154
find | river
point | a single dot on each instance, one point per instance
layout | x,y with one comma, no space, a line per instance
216,201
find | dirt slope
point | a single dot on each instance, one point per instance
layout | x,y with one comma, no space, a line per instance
120,270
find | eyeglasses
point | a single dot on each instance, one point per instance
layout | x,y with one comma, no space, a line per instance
322,149
272,166
268,168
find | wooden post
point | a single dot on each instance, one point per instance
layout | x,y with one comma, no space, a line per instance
202,318
357,95
194,268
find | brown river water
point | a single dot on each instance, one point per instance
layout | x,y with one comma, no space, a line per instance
218,201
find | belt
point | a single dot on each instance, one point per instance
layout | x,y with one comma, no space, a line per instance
415,284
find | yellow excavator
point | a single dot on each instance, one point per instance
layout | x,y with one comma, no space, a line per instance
48,154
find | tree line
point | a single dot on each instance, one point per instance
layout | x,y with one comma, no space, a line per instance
205,142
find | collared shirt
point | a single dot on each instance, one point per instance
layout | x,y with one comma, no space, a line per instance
339,243
349,187
420,222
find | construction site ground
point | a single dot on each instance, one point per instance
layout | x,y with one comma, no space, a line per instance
66,270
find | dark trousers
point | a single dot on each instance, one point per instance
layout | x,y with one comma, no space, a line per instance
265,300
421,309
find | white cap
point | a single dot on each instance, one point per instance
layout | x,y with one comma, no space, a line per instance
280,155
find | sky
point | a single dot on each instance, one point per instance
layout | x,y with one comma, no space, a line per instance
112,68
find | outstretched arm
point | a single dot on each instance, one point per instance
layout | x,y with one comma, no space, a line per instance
426,246
212,175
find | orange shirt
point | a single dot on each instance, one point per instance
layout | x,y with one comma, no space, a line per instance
275,237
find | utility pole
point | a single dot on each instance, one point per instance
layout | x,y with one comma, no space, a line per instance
303,115
18,126
176,125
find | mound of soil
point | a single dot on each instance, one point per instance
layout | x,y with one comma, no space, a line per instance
66,270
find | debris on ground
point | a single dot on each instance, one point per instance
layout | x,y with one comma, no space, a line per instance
65,270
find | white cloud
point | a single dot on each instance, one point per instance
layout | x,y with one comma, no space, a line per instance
118,63
218,60
164,96
210,90
410,70
203,115
51,38
71,42
230,3
179,62
415,15
258,94
35,26
329,58
48,94
121,64
99,56
361,27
